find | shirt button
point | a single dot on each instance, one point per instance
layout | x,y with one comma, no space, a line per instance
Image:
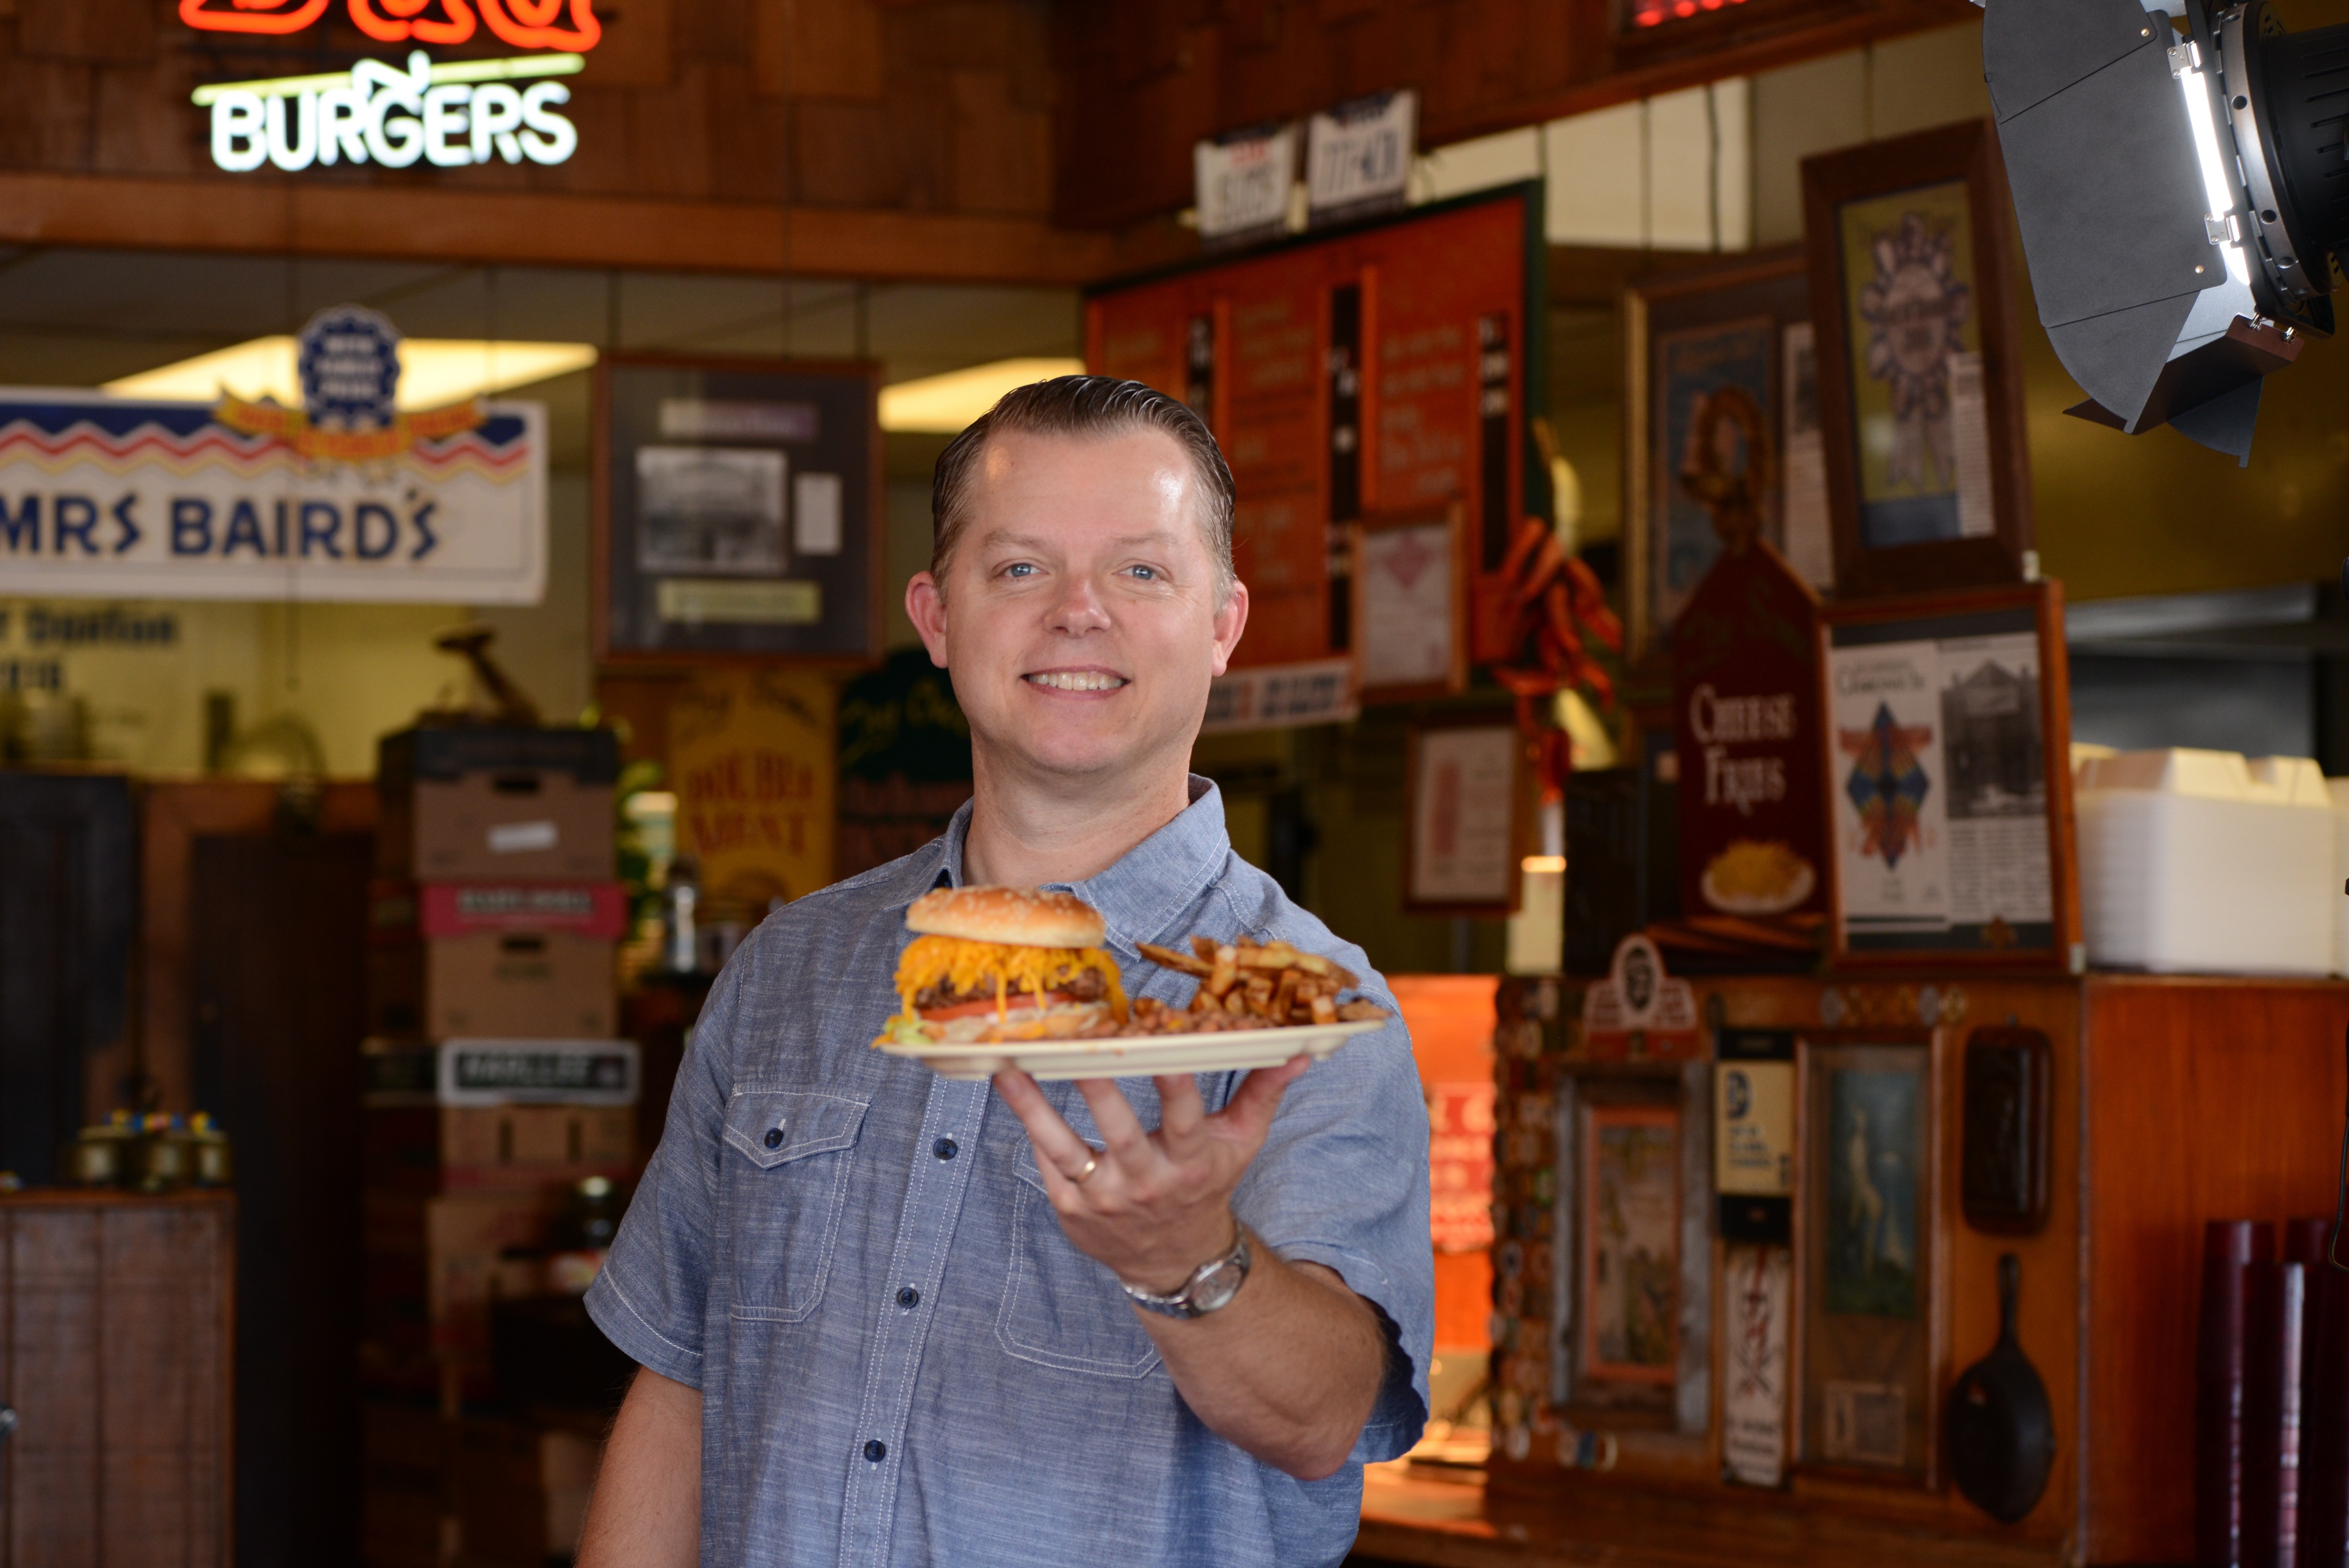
907,1296
774,1137
945,1147
875,1450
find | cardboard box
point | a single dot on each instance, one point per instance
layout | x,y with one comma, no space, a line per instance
501,1071
431,1264
481,802
519,1491
430,1150
495,959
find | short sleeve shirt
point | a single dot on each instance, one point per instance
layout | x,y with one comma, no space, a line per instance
901,1358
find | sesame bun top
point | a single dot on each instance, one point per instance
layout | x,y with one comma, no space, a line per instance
1020,915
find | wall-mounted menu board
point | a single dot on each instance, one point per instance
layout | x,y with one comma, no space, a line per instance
1443,307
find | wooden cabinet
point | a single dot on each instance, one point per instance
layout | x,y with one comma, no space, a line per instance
115,1314
67,892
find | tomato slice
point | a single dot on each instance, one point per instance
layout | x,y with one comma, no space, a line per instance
1014,999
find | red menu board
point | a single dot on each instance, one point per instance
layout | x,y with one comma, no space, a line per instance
1270,349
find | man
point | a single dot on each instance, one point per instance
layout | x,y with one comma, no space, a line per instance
889,1318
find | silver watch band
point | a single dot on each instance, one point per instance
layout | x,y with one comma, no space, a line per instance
1210,1288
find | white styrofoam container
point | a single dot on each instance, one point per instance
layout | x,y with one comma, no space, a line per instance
2339,789
2206,861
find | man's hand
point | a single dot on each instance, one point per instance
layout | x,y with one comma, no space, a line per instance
1290,1368
1155,1205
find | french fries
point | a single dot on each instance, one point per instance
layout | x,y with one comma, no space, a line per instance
1247,984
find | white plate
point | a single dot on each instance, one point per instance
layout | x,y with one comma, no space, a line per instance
1138,1056
1748,904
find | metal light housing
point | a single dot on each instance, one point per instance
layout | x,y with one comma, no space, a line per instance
2179,196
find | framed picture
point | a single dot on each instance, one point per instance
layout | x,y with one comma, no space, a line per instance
1410,606
1946,726
1467,812
1631,1224
1920,370
736,510
1867,1256
1708,443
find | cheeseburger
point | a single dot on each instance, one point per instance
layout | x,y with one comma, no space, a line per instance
989,964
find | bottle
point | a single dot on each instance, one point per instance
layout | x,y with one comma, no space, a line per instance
680,952
211,1165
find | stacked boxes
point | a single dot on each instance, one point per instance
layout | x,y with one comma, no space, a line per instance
493,1084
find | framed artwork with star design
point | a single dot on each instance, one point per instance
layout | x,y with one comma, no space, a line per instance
1946,735
1918,365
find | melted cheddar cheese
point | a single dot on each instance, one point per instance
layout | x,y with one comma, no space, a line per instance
963,966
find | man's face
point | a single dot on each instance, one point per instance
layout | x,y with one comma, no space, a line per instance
1079,617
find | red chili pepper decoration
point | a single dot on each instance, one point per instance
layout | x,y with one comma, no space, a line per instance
1553,602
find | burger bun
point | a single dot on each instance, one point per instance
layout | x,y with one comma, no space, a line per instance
1020,917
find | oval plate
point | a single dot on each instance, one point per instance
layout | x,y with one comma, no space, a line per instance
1138,1056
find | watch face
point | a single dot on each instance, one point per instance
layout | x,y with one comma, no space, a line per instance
1216,1290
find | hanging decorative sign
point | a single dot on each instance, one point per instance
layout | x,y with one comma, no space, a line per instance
1639,1012
1358,155
1241,180
343,499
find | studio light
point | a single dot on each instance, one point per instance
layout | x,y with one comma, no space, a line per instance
2182,193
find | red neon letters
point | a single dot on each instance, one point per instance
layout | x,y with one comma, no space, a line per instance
524,23
396,21
529,24
253,15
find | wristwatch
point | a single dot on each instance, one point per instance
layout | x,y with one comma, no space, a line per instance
1210,1288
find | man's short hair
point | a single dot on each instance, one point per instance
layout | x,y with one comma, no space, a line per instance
1083,406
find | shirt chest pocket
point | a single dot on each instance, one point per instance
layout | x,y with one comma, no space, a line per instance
1062,1309
787,1166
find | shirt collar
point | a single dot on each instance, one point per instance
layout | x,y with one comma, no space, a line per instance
1154,881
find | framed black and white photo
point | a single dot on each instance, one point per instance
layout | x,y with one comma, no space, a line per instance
736,510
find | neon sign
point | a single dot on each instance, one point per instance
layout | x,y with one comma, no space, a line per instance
451,114
565,25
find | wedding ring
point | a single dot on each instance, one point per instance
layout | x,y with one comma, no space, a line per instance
1085,1174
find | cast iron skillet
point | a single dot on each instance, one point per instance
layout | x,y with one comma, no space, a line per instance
2002,1434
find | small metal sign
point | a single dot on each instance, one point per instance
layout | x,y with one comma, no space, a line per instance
1358,156
1241,181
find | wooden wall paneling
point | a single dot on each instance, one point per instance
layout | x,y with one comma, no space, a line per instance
2205,1099
1480,66
1002,153
164,1284
55,1499
635,50
115,1324
90,32
835,49
172,812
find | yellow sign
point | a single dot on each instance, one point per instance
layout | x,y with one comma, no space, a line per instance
752,751
292,427
1753,1128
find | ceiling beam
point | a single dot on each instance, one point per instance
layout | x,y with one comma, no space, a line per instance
535,229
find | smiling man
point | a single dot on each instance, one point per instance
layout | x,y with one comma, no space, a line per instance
887,1318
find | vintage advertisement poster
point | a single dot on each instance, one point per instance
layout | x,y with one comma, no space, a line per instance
1867,1311
752,751
1630,1232
1745,726
1758,1283
1459,1165
1712,418
1941,801
1464,789
1915,367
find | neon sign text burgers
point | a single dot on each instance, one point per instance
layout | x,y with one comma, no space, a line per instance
449,115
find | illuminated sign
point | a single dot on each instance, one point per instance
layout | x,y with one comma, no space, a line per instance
451,115
464,112
565,25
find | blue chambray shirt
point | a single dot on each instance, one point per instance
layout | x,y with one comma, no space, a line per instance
901,1358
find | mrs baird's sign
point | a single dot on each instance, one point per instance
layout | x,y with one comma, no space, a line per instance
343,499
